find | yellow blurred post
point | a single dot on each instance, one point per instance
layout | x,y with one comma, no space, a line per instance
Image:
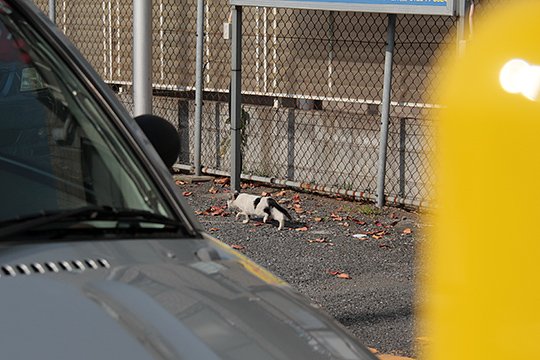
483,275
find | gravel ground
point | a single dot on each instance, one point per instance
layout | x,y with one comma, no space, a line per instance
366,283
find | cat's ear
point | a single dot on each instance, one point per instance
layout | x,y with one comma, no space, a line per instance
234,195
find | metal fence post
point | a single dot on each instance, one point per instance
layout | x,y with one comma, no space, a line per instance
52,10
402,153
463,7
217,124
236,93
291,137
385,117
142,57
199,86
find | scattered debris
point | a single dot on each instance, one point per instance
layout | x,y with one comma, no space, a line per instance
356,221
336,217
318,240
361,236
222,181
214,211
339,274
280,193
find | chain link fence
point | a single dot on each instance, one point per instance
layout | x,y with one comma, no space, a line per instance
312,88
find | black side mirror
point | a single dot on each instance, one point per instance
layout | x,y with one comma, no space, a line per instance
163,136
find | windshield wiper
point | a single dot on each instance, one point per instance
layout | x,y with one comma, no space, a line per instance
125,218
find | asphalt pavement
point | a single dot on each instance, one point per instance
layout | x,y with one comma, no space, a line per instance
355,261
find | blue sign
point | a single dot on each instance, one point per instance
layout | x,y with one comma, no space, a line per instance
426,7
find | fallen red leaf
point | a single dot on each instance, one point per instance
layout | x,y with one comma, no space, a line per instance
187,193
298,209
407,231
280,193
238,247
213,190
339,274
317,219
296,198
222,181
180,182
258,224
304,228
215,211
264,193
336,217
356,221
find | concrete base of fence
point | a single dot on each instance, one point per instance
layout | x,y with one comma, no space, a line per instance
356,195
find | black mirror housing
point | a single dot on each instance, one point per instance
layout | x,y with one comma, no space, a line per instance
163,136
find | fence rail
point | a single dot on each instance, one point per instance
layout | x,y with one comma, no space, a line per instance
312,88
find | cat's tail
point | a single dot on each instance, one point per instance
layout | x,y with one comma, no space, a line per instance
273,203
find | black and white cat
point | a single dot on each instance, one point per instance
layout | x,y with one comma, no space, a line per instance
264,206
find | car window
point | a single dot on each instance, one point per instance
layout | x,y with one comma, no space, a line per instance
58,148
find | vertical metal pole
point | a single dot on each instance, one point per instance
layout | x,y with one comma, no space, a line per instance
199,86
385,117
402,159
52,10
331,22
291,135
142,57
236,93
183,130
218,134
462,12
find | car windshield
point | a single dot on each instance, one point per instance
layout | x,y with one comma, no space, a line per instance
59,150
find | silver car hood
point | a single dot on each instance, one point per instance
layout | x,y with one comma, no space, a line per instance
138,299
